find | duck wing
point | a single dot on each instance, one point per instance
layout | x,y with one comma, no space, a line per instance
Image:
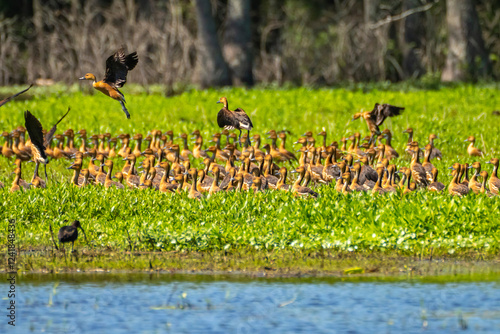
381,112
13,96
50,134
34,128
117,67
243,119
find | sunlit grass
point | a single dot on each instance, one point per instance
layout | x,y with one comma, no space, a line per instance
420,223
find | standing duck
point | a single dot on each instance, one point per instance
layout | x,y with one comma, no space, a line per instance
474,184
436,153
117,67
70,233
494,182
237,119
435,184
455,188
473,151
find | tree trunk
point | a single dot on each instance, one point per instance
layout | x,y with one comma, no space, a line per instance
467,57
238,42
414,35
211,69
375,38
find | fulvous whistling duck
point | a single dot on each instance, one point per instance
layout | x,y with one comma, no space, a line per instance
100,177
77,167
378,189
198,151
377,116
214,187
390,152
436,153
137,149
125,138
117,67
86,174
355,186
108,182
4,101
473,151
38,142
428,166
494,182
435,184
455,188
7,146
15,184
112,147
464,172
474,184
330,169
484,175
406,181
417,171
302,190
368,176
70,233
146,184
22,183
256,184
237,119
346,177
389,183
193,192
70,144
227,182
20,154
185,153
283,150
132,180
281,185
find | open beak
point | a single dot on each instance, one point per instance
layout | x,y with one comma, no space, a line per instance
82,78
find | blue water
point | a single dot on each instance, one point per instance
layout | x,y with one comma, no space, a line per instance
205,304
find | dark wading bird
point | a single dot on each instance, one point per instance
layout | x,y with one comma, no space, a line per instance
237,119
377,116
117,67
13,96
38,142
70,233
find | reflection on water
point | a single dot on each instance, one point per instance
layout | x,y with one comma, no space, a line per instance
141,303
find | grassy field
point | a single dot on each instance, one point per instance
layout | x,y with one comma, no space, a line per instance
420,224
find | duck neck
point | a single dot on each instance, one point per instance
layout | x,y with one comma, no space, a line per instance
283,142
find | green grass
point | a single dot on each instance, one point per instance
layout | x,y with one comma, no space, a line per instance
419,224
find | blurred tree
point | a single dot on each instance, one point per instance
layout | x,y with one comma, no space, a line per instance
467,57
238,41
211,68
414,36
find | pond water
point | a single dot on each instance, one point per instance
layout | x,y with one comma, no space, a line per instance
165,303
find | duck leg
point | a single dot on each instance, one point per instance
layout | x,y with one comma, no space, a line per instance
248,138
45,170
35,173
125,109
239,137
72,245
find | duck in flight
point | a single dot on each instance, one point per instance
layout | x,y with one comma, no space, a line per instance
117,67
237,119
38,142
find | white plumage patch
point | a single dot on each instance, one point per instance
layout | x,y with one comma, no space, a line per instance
229,127
245,126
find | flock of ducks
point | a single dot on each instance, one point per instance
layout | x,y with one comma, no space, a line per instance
357,164
364,165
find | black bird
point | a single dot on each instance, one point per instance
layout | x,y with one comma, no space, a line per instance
237,119
38,142
70,233
13,96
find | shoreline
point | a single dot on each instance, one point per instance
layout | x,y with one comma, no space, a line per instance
268,264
